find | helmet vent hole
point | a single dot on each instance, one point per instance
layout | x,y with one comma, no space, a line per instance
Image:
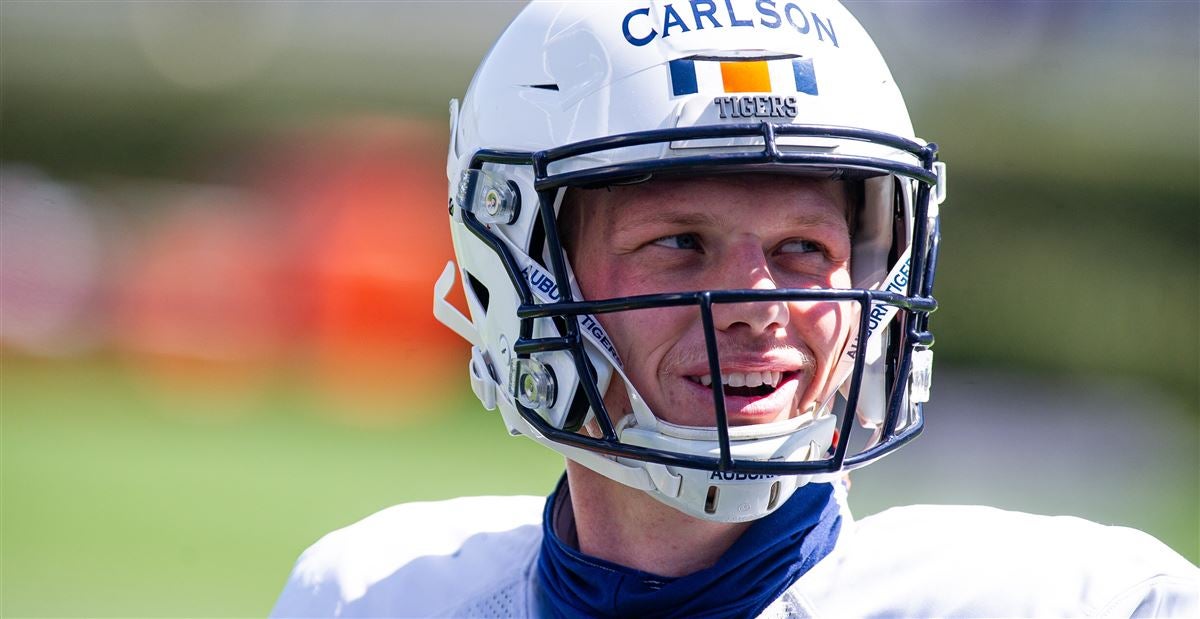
481,291
710,502
774,498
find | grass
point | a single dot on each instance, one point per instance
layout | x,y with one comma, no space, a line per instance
112,507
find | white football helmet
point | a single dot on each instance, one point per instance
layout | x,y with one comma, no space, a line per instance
586,94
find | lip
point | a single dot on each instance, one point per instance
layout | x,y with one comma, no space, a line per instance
746,410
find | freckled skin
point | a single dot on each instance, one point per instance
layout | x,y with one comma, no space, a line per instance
725,232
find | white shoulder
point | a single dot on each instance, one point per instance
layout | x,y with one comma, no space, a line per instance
980,561
415,559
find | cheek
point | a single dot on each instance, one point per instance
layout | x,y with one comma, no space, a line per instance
642,337
825,327
840,279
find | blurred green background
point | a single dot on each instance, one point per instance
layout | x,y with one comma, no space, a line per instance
220,224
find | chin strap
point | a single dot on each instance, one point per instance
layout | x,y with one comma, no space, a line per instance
871,405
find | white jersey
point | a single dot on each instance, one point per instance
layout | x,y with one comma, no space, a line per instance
477,557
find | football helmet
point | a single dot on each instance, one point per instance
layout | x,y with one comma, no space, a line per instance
593,94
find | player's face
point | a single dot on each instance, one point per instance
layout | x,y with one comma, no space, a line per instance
757,232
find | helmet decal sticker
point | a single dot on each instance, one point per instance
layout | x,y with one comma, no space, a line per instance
805,75
733,75
683,77
692,75
756,107
541,283
748,76
640,26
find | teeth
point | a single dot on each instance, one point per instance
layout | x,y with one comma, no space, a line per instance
743,379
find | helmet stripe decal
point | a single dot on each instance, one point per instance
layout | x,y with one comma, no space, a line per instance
736,75
806,76
750,76
683,77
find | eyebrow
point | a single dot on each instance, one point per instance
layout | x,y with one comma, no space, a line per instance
667,217
671,217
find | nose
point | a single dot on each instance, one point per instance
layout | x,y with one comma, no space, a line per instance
747,268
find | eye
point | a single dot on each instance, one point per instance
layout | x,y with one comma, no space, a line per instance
800,246
679,241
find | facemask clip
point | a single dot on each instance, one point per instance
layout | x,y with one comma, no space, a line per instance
533,384
922,375
492,199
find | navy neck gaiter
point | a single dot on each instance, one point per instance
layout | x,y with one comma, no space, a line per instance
773,553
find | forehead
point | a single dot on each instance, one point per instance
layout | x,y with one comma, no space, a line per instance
751,195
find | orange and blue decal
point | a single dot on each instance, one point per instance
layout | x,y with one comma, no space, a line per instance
751,76
743,76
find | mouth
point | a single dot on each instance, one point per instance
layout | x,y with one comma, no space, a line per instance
752,385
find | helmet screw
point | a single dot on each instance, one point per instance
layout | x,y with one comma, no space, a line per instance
491,202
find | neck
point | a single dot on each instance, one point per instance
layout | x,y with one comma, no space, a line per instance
629,527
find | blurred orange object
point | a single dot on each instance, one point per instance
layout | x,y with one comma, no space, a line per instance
319,255
202,306
369,200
